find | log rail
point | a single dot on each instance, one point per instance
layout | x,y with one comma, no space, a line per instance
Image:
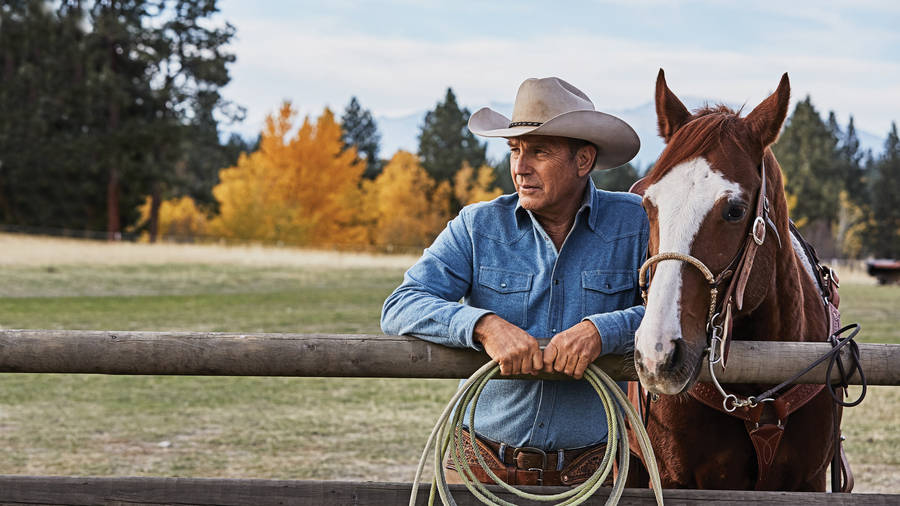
357,355
243,492
328,355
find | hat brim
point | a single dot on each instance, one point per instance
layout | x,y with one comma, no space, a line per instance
616,141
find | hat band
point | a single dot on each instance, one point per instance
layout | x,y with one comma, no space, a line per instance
524,123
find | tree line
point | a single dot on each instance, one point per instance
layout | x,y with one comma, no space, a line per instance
111,117
846,201
106,102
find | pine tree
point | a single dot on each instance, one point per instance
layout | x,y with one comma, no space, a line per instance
445,141
808,153
360,131
503,176
851,160
618,179
883,235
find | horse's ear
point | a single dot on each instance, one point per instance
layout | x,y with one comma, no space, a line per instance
765,121
670,112
639,186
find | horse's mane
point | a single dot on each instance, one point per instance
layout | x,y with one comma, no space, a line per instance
707,128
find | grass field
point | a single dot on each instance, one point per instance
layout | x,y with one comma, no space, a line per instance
288,428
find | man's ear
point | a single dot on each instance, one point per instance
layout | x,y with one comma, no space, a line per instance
584,159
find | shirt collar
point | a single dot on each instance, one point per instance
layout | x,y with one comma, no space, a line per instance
589,201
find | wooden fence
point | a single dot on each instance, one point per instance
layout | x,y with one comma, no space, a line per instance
326,355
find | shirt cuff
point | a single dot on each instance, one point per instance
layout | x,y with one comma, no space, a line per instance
616,338
462,326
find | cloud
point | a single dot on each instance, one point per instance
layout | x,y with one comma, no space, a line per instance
316,63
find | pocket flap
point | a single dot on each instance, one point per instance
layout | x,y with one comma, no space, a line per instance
504,281
607,281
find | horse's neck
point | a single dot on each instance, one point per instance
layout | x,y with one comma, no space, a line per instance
792,309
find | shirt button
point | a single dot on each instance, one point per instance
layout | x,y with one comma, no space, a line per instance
503,285
541,425
553,330
556,282
607,286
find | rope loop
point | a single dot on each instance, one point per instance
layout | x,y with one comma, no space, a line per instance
447,436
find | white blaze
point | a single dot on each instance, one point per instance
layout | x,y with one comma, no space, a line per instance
683,198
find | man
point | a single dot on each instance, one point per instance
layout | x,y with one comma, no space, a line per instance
559,258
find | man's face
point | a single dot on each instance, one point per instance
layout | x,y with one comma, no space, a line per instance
546,174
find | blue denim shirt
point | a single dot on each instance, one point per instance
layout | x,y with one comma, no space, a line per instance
496,258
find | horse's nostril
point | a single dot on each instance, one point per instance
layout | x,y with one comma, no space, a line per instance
673,359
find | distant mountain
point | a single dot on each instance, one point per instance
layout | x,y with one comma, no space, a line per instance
402,132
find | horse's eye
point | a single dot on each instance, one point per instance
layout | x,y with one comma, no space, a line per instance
734,211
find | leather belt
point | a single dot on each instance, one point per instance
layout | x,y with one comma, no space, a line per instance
532,466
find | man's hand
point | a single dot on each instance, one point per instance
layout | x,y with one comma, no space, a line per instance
573,349
515,350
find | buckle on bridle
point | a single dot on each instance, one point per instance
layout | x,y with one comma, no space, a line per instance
759,230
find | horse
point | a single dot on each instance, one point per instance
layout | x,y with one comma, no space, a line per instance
719,222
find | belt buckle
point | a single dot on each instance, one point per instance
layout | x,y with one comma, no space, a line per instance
542,453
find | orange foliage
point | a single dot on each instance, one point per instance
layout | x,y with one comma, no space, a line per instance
300,190
179,219
404,205
469,187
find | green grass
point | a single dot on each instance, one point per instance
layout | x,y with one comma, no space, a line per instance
875,308
286,428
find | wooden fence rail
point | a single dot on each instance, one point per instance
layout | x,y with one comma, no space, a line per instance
243,492
328,355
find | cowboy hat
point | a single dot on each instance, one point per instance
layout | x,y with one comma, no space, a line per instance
551,106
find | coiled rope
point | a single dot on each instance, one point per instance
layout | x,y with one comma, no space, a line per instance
442,438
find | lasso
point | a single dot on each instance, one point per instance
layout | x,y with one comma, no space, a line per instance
614,403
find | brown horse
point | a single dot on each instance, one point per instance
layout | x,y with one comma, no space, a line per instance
712,196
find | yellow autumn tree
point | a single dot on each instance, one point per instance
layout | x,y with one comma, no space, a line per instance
470,187
297,189
404,206
850,227
179,219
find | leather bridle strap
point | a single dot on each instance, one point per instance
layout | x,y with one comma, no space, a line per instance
734,294
741,265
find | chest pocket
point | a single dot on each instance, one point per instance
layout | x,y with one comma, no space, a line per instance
505,293
605,290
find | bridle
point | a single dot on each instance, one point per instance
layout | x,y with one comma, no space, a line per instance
718,327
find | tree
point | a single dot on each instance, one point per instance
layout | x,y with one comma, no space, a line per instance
502,175
617,179
188,65
49,125
407,208
850,157
445,141
302,190
470,186
883,234
101,102
808,153
180,219
360,131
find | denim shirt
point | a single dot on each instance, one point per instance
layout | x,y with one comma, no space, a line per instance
496,258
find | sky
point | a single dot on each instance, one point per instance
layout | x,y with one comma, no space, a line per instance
399,56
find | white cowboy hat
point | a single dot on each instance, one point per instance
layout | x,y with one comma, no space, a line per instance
551,106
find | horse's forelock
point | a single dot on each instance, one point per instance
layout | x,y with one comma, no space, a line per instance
707,128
